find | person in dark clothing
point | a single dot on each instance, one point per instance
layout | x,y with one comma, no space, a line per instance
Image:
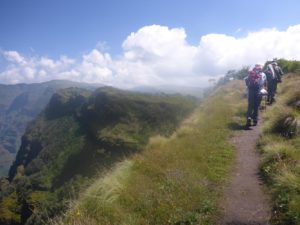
253,104
271,86
273,73
278,73
253,82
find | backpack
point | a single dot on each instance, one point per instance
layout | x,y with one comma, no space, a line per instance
253,79
268,73
278,72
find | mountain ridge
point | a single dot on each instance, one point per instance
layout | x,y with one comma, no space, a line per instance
80,133
19,104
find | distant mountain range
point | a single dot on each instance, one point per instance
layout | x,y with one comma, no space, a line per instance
19,104
172,89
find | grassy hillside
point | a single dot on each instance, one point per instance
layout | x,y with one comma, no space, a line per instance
175,180
78,135
280,148
19,104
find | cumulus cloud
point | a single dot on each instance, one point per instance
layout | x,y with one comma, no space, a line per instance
33,69
95,66
159,54
156,55
226,52
13,57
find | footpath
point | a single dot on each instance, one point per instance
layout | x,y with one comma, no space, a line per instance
245,202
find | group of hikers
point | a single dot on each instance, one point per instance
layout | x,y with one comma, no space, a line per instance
261,82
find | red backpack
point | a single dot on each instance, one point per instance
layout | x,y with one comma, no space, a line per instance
253,79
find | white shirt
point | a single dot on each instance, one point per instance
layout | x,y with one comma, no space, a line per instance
262,80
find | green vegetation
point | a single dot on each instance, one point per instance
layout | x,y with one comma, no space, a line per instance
175,180
79,135
10,209
280,146
289,66
234,74
20,104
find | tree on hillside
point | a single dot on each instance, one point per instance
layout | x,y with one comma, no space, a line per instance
234,74
289,66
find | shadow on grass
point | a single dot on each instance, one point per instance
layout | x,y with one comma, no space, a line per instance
237,126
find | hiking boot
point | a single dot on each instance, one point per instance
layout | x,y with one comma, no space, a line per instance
254,122
248,123
270,102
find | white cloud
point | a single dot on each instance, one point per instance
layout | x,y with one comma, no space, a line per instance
228,52
95,67
156,55
154,41
14,57
160,54
47,63
33,69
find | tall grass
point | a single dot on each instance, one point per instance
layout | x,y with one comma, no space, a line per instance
280,148
176,180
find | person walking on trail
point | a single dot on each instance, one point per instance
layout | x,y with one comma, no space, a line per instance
278,72
255,83
274,74
262,83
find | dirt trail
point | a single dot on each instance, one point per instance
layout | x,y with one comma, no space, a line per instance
245,202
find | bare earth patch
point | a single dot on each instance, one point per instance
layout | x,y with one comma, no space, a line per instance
245,202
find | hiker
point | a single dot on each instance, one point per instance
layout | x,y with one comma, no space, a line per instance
255,83
262,83
278,73
274,73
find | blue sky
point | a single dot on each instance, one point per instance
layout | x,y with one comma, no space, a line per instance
55,27
35,31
